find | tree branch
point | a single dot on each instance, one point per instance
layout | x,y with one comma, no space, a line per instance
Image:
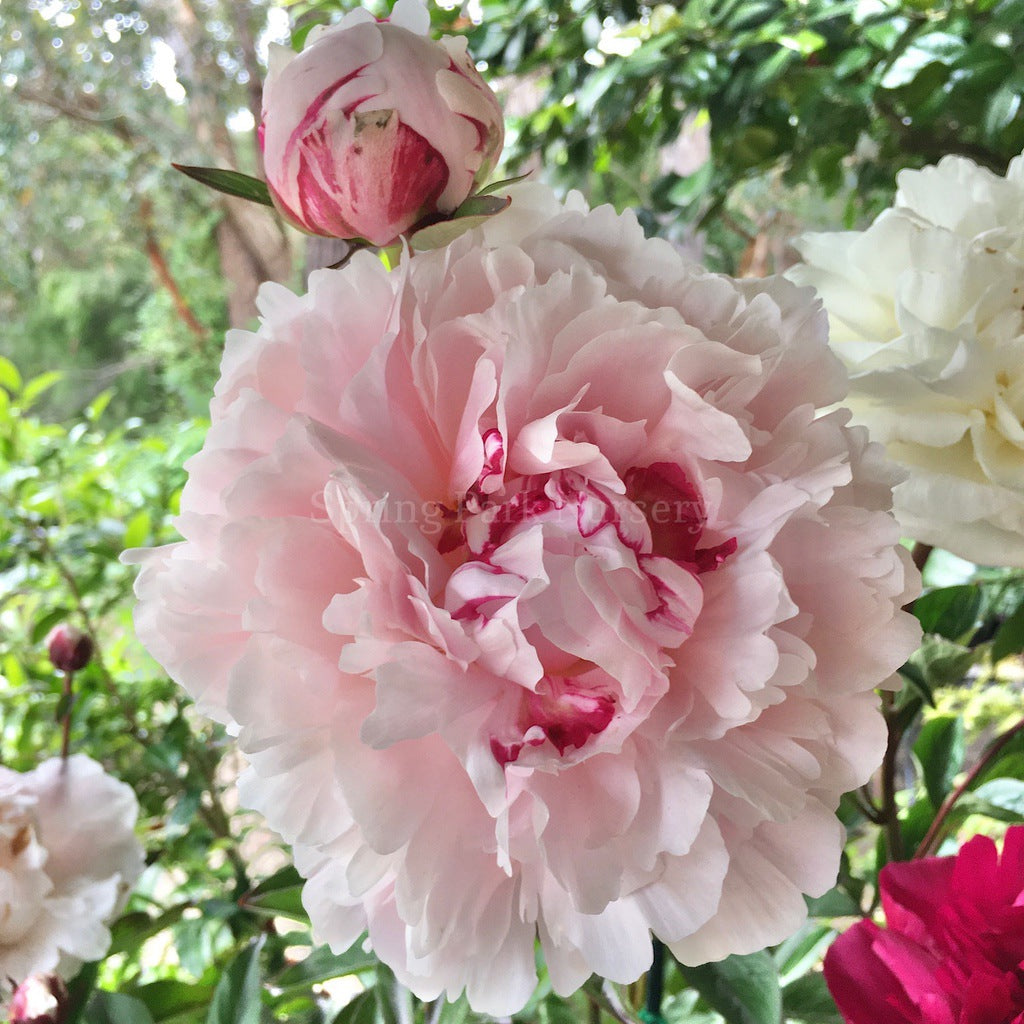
158,262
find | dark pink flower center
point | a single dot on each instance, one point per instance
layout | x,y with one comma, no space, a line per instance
617,570
561,713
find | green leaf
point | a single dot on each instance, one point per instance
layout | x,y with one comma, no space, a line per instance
322,965
46,622
914,825
168,999
361,1010
942,662
9,376
743,989
805,42
835,903
949,611
280,895
802,951
497,186
116,1008
1010,637
1006,794
137,530
1009,765
130,931
232,183
481,206
80,989
808,1000
236,1000
473,212
1001,110
95,409
37,385
939,750
916,682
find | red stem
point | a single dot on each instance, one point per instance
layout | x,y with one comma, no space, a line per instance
947,805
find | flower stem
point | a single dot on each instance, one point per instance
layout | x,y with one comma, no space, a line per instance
990,754
889,812
68,700
651,1013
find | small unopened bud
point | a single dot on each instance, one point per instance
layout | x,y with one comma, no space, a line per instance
39,999
70,649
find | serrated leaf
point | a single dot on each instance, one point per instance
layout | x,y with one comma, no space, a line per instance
231,183
951,612
939,750
743,989
116,1008
236,1000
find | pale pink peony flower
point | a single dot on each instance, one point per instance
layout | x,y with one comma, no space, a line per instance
544,601
68,858
375,126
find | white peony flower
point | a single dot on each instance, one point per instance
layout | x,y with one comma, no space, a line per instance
68,858
927,312
545,603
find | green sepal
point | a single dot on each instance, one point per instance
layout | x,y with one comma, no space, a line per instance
231,183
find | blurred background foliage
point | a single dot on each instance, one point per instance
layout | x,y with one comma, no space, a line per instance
730,127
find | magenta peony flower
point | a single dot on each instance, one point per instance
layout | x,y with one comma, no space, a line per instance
543,599
375,126
953,952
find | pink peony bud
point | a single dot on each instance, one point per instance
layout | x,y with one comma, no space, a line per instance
39,999
375,126
70,649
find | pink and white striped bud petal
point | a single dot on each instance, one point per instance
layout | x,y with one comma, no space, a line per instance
39,999
374,127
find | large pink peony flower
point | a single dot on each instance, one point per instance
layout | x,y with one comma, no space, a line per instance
68,858
954,949
544,601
